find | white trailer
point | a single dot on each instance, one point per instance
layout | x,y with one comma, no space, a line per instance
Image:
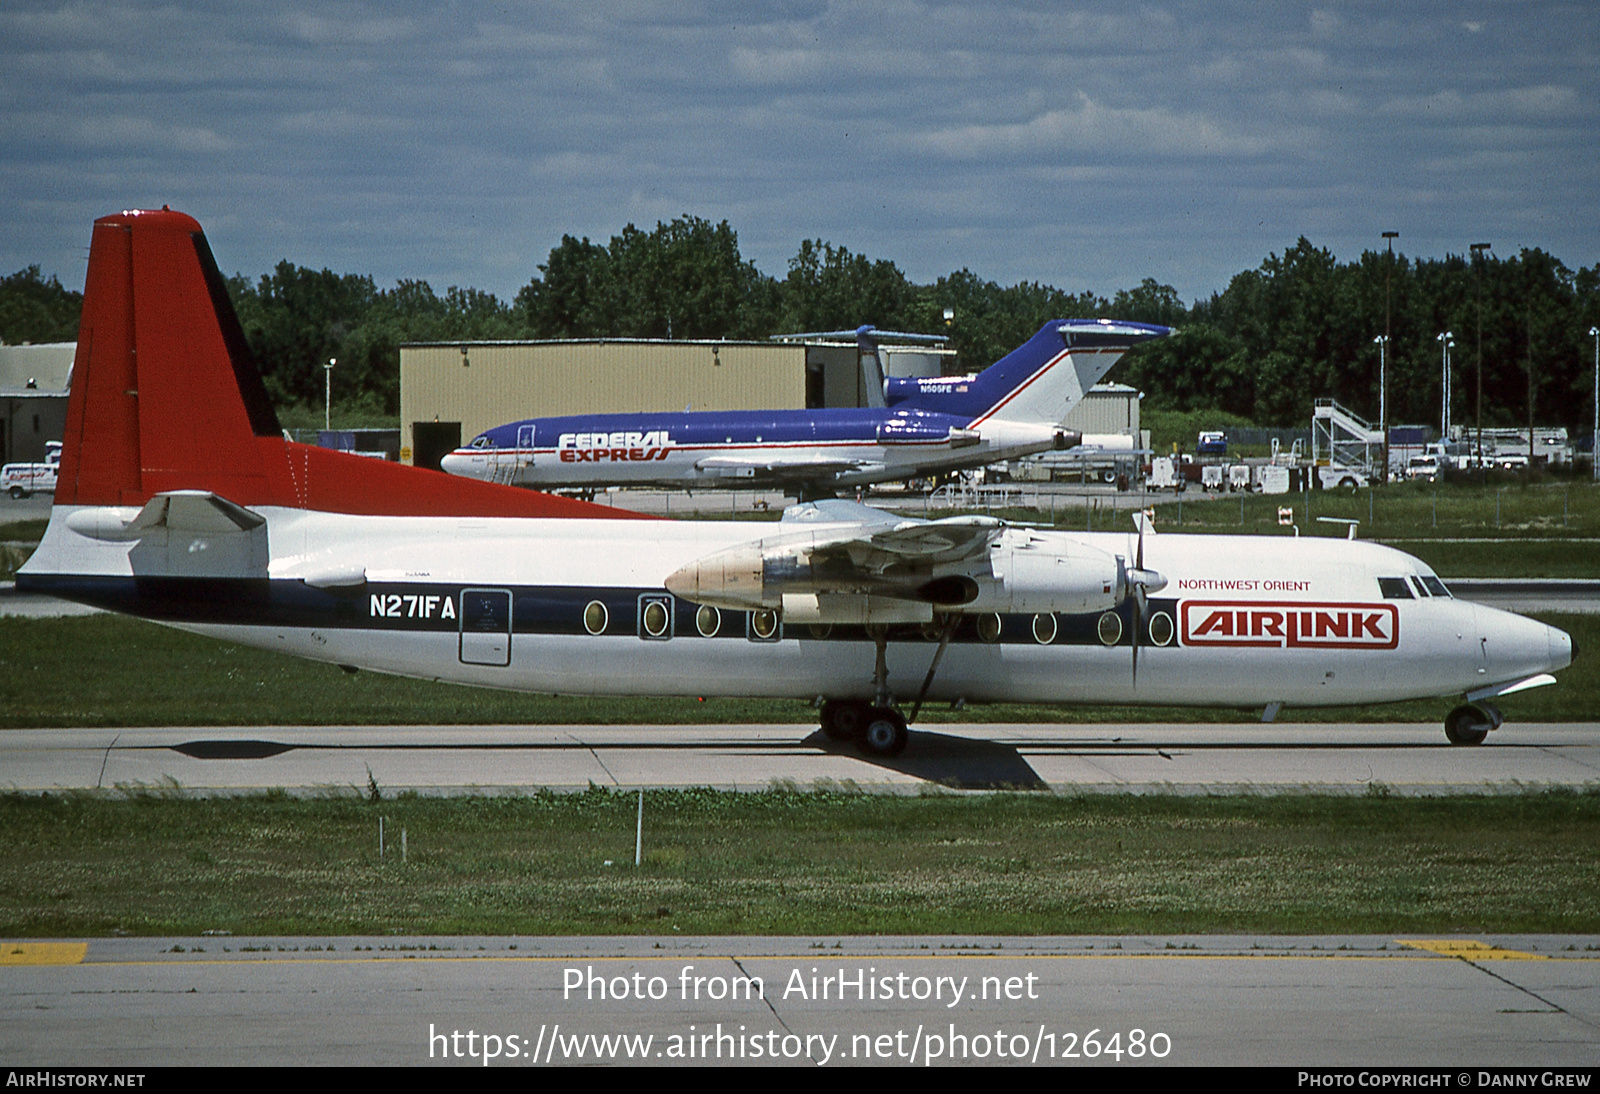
1274,479
1164,475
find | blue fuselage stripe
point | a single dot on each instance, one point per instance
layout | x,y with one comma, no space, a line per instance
419,607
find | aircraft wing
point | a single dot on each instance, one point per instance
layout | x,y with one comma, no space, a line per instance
953,539
893,539
778,467
858,551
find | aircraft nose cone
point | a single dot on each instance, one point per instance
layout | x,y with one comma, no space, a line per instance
1562,649
456,464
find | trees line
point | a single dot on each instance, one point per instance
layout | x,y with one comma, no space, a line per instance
1298,327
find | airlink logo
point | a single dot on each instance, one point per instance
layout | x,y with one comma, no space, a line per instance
1277,625
627,446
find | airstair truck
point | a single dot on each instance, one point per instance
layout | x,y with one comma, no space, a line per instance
1346,450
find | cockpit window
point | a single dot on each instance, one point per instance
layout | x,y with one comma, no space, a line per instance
481,441
1422,590
1435,586
1395,588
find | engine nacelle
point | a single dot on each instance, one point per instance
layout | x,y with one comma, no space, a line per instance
1043,572
839,610
1021,571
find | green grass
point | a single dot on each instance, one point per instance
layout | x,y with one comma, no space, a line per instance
1507,558
1536,530
1561,511
363,412
12,538
800,863
1540,528
109,670
23,531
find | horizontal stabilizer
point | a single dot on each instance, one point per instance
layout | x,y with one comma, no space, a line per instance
186,512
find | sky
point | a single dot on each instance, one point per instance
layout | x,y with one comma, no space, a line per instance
1086,146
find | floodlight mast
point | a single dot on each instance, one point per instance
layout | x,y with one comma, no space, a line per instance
327,393
1382,342
1477,254
1594,457
1445,340
1388,276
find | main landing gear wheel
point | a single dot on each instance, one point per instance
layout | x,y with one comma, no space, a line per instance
886,733
1467,726
844,719
878,729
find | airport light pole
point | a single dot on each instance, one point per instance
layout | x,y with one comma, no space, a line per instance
327,393
1477,256
1388,277
1383,399
1594,457
1445,340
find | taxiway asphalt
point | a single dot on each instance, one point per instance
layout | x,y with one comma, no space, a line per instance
1403,759
1452,1004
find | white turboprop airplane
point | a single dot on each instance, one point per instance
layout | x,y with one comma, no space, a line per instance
180,501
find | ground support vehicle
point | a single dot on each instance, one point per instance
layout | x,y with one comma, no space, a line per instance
22,480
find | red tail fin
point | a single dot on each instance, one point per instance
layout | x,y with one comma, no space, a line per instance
166,397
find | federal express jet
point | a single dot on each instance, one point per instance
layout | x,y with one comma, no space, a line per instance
918,426
180,501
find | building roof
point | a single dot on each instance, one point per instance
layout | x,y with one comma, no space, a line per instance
43,368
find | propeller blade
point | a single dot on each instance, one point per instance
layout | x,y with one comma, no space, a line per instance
1137,583
1140,606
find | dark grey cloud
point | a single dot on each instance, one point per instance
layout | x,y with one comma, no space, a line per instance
1087,145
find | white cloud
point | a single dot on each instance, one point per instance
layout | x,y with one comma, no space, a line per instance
366,32
776,66
337,122
1547,100
571,167
935,133
1091,128
120,133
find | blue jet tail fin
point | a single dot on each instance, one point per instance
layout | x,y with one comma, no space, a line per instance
1039,381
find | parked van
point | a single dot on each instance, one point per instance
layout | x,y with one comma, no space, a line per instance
1423,467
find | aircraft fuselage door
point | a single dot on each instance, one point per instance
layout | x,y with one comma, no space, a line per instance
524,445
486,627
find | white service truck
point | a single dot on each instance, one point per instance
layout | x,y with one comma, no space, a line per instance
23,479
1331,477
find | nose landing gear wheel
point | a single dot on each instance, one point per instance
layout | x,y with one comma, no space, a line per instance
1466,726
885,734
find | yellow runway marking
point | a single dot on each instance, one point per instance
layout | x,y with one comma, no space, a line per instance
831,958
1470,949
43,953
75,953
